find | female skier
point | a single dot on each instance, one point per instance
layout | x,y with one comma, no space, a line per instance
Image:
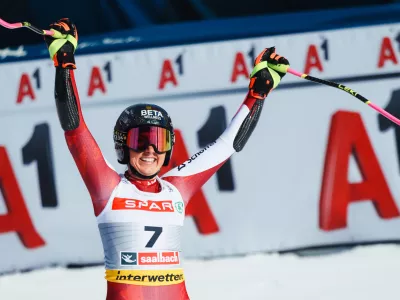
140,215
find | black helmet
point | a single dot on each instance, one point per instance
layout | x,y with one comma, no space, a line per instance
135,116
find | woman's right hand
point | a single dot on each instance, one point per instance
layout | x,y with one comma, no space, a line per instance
63,43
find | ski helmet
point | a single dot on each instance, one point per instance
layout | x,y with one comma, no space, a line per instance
136,116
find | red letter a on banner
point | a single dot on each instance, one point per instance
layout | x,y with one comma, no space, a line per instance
198,207
348,136
386,53
239,67
167,75
25,88
96,82
17,219
312,60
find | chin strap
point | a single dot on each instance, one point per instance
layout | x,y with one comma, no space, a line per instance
136,173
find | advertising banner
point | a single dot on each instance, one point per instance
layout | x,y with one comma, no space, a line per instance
320,169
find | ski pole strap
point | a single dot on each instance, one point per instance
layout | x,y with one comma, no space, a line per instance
274,74
59,42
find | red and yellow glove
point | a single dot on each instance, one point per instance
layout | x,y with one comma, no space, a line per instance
269,69
63,43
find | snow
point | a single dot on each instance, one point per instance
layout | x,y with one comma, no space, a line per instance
366,273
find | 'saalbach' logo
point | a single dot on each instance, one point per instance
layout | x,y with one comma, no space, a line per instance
149,258
128,258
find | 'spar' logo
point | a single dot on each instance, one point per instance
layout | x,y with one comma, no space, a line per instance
146,205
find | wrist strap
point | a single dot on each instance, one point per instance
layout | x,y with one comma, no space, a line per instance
262,65
58,43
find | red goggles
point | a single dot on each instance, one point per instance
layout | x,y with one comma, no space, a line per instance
140,138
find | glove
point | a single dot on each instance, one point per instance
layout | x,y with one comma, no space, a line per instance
63,43
269,69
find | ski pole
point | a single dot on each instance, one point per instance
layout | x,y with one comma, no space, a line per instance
51,32
284,69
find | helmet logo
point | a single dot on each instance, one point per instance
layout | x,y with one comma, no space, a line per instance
119,136
152,114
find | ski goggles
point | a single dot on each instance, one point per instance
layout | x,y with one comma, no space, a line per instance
140,138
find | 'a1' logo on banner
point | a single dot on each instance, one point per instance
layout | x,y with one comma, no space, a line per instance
348,136
98,79
198,206
27,85
17,219
170,71
315,57
387,53
241,68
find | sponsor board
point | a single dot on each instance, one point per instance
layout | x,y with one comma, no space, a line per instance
320,169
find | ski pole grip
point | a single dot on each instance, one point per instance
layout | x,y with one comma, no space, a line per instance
279,67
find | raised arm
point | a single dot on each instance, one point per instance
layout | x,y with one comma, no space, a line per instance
100,179
193,173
